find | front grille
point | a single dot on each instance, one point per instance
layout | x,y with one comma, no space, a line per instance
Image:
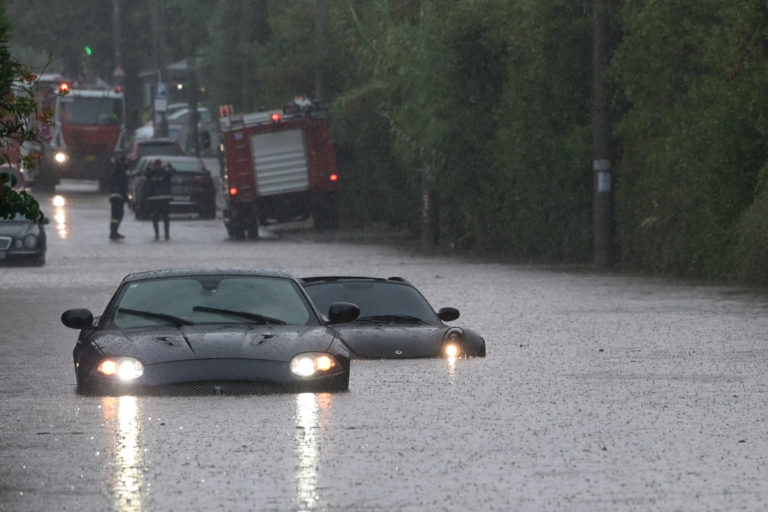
5,242
218,388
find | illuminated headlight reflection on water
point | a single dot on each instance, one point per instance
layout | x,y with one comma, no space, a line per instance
60,216
122,417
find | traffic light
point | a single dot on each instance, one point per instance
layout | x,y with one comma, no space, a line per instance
88,50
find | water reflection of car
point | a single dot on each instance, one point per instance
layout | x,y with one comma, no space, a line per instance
209,332
395,321
22,241
192,187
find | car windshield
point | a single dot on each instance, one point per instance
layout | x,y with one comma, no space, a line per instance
377,300
187,165
17,217
81,110
209,299
160,148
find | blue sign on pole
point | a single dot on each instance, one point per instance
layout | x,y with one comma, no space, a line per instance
161,97
161,91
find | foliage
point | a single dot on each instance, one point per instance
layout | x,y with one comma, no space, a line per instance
16,108
542,168
64,28
460,88
693,143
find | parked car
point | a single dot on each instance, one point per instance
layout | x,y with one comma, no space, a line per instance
181,116
395,321
214,331
192,187
152,146
17,177
23,241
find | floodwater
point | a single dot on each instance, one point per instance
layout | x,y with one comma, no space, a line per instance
599,392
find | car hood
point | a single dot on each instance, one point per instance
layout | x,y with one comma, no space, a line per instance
274,343
17,229
392,341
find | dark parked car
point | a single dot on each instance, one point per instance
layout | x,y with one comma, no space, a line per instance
209,332
153,146
21,240
395,321
192,187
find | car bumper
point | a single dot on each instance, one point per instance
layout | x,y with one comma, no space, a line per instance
210,377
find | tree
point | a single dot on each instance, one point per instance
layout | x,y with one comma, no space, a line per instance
17,109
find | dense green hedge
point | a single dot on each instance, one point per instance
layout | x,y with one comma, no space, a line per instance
495,98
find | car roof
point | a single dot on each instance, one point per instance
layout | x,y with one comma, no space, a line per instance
171,158
155,140
192,272
335,279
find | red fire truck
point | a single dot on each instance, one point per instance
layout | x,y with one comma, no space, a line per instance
277,166
88,130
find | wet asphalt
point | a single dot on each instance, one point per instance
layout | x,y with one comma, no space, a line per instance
599,392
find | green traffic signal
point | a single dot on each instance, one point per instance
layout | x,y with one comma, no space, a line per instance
88,50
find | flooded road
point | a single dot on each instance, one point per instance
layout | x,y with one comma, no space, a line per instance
599,392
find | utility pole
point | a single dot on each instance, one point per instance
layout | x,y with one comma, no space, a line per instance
159,59
194,117
118,74
244,49
603,250
321,23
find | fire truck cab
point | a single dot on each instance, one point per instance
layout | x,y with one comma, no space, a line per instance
277,166
88,131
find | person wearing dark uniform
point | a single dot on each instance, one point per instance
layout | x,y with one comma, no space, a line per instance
159,195
118,191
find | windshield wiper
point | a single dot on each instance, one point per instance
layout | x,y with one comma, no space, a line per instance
175,320
390,319
255,317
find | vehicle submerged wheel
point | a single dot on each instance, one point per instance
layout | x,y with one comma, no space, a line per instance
208,212
325,211
39,260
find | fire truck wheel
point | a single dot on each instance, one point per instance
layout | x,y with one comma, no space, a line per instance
325,211
208,212
236,231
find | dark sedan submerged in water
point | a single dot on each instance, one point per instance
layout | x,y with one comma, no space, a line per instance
395,320
209,332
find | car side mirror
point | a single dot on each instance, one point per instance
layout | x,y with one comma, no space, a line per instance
79,318
448,314
341,312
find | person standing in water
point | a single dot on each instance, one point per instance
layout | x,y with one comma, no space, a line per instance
159,195
118,191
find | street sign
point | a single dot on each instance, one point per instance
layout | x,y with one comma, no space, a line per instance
161,91
161,97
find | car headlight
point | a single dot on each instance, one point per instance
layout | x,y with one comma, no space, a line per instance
312,363
452,343
60,157
30,241
123,368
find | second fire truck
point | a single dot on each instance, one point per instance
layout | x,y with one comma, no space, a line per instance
278,165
